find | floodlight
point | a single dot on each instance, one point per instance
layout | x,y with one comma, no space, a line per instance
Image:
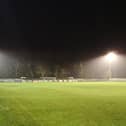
111,56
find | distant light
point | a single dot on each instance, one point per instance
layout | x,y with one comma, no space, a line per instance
111,56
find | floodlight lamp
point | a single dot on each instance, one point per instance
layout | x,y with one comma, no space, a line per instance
110,56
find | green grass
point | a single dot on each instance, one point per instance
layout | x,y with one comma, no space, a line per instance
63,104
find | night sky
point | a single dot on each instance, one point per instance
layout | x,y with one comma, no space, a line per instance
62,30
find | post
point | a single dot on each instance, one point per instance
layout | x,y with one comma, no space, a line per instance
110,71
110,58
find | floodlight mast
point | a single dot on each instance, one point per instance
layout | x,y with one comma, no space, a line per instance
110,58
109,70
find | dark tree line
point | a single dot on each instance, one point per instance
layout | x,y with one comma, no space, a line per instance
11,67
30,69
16,68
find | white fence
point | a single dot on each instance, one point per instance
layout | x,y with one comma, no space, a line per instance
61,80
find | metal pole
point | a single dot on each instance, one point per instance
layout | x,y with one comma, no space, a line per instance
110,71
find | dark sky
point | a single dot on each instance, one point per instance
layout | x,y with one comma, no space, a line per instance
62,29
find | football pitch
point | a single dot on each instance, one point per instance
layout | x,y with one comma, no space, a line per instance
63,104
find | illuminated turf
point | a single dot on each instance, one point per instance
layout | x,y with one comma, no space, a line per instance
63,104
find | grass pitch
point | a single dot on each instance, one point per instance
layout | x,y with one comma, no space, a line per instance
63,104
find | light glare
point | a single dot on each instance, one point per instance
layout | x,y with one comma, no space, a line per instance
111,56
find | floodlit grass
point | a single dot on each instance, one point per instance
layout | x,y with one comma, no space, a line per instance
63,104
